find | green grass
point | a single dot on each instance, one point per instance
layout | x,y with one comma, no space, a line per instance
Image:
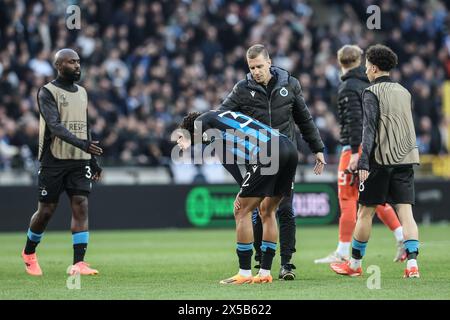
188,264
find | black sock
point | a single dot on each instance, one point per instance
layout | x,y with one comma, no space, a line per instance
356,254
33,239
267,258
245,259
79,250
30,246
412,255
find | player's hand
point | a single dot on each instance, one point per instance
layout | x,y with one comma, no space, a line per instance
97,176
96,170
94,149
353,165
363,174
320,163
237,204
183,143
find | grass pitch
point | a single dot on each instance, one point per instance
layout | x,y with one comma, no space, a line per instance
188,264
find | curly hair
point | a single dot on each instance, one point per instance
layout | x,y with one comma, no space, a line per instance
382,56
188,123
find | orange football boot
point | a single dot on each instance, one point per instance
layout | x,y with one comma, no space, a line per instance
237,279
82,268
262,279
413,272
31,264
344,269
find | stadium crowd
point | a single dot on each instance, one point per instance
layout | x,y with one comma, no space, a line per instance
145,64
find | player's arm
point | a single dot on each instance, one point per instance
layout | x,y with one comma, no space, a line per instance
304,120
307,127
370,119
353,121
234,99
49,111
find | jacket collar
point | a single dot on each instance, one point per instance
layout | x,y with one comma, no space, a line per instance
382,79
281,75
357,72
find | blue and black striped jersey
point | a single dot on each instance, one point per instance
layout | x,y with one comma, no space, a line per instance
241,135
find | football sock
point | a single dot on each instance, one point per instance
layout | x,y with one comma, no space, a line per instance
343,248
347,220
245,273
411,263
245,252
355,263
80,242
398,234
264,272
268,252
358,249
412,248
33,240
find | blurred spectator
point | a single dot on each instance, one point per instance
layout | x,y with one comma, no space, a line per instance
145,64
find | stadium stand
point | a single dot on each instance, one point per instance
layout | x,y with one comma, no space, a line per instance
145,64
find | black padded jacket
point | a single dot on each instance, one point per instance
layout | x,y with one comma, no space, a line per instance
350,107
282,110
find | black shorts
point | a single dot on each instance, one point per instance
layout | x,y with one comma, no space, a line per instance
75,180
281,183
393,185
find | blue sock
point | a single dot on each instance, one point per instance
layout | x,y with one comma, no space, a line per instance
412,248
358,249
268,244
268,249
80,241
33,240
245,252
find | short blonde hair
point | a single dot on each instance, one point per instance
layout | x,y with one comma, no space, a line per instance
349,55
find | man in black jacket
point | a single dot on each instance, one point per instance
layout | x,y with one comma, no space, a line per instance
272,96
354,81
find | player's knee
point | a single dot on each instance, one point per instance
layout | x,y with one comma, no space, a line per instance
80,201
80,207
266,212
365,213
349,218
46,210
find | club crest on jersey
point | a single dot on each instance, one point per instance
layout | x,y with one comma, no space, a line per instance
252,93
283,92
63,101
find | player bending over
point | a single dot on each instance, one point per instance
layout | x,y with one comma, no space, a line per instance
226,130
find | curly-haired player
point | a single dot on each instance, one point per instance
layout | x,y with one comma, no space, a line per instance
389,152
